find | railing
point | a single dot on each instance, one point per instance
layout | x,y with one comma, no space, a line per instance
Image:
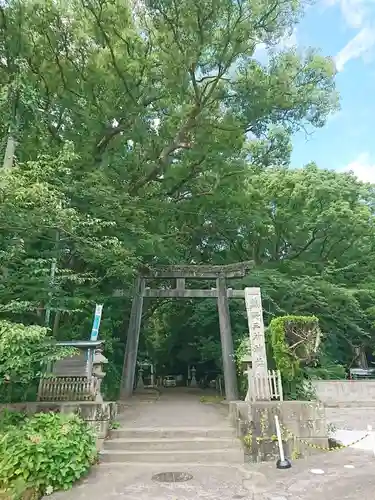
67,389
264,388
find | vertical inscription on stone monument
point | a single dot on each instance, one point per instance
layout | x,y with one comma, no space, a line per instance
254,312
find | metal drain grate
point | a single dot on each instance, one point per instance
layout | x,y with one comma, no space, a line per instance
172,477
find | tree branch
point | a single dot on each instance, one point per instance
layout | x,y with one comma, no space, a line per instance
111,51
306,246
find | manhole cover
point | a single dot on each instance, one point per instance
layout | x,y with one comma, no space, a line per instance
172,477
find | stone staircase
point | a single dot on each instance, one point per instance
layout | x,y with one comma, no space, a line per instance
173,446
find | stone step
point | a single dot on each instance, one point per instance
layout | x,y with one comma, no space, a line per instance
172,433
194,443
173,457
158,466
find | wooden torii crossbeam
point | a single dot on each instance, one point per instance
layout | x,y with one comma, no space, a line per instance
200,271
180,273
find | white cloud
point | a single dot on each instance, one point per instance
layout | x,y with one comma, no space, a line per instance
357,14
362,167
353,11
260,53
359,46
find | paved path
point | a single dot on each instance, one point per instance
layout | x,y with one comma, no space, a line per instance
347,474
350,424
255,482
355,418
175,409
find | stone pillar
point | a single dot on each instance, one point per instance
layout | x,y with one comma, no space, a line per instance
131,350
229,364
193,382
254,312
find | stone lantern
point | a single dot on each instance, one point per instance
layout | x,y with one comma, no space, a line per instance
246,363
97,370
193,382
140,383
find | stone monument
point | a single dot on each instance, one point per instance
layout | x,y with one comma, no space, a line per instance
304,430
259,369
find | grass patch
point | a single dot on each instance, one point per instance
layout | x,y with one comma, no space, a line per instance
211,399
114,425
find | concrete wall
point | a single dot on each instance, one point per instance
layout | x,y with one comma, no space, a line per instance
304,428
341,392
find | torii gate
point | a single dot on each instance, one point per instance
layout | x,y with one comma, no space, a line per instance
180,273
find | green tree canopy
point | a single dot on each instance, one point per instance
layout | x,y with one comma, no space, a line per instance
149,133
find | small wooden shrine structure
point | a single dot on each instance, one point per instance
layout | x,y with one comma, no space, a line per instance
77,378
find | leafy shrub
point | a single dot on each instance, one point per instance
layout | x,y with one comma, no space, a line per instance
327,371
242,349
294,341
24,351
10,418
48,452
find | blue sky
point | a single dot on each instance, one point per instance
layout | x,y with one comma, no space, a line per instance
345,30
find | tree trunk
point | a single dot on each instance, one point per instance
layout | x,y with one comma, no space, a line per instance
9,152
56,324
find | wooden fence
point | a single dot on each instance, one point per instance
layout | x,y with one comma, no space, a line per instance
67,389
264,388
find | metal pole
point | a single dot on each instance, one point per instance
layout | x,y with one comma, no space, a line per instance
282,463
279,439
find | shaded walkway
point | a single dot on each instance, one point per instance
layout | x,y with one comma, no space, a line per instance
174,408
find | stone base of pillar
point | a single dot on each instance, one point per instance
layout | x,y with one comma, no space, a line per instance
303,428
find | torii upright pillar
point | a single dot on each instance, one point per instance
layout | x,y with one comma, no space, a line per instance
132,341
229,364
